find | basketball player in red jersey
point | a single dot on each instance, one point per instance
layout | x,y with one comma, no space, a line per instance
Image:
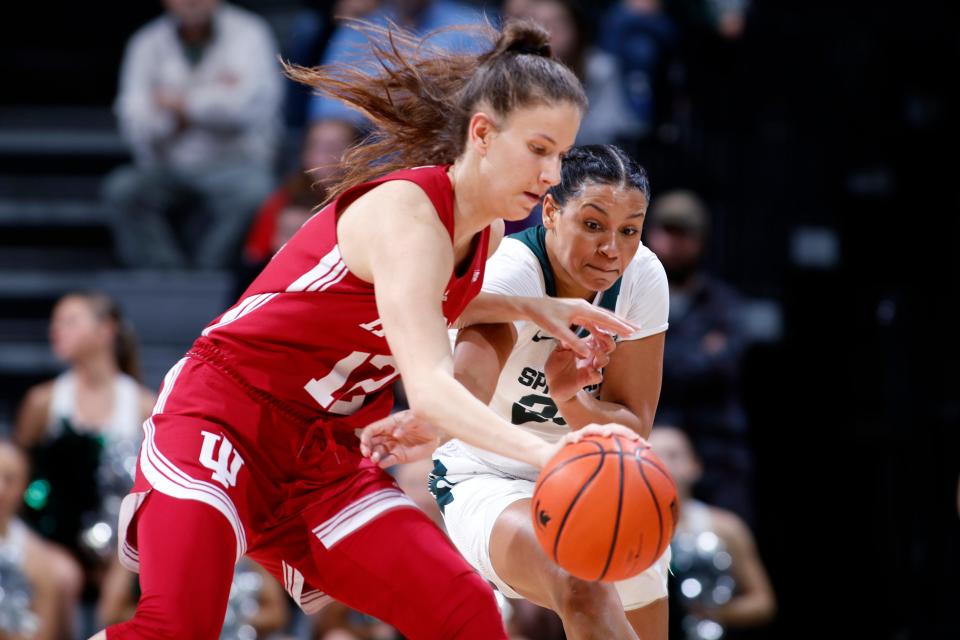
251,449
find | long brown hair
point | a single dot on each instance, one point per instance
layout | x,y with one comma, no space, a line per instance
126,351
420,99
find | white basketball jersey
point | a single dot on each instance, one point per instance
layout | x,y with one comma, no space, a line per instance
520,267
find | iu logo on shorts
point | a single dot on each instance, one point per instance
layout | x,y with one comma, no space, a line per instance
227,463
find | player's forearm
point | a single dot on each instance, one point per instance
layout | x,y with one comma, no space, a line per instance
583,409
491,308
479,357
444,402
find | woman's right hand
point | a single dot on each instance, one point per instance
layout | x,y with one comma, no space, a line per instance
606,430
557,315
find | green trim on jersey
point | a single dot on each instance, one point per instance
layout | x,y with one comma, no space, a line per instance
609,298
536,240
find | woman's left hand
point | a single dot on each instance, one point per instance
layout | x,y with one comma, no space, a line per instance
567,373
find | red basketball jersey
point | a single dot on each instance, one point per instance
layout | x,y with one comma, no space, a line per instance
307,331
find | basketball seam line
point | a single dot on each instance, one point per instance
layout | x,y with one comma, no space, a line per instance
573,503
598,452
656,503
616,524
661,470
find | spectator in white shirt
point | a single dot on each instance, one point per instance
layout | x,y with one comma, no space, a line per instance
199,98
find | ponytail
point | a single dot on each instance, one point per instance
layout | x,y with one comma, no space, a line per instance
421,99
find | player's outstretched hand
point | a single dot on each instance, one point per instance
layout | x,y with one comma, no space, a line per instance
568,373
606,430
399,438
557,315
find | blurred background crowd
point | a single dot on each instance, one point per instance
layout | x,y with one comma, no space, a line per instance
153,158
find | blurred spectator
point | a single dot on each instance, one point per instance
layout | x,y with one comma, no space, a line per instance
303,45
257,605
703,352
324,144
83,432
610,117
30,596
306,41
336,621
727,18
721,578
417,16
298,198
199,102
644,40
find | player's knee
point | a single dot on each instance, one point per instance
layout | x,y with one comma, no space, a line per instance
573,596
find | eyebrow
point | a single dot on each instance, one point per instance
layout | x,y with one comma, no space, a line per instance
639,214
597,207
543,135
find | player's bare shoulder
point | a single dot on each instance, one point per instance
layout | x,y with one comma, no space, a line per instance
392,214
389,203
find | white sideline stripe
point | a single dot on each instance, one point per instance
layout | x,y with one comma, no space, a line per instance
150,447
238,310
313,594
319,271
352,508
310,601
243,309
164,476
322,285
315,606
329,274
167,478
128,558
357,515
167,387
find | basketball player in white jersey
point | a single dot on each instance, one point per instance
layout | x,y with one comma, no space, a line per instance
588,247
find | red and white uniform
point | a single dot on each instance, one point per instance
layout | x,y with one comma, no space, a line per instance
307,331
257,422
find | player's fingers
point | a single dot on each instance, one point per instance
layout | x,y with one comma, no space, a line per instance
607,430
604,341
595,377
600,360
388,460
604,320
569,340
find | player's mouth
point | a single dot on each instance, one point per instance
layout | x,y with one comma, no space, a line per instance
609,272
534,198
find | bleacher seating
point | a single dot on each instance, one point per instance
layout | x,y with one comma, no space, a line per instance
54,239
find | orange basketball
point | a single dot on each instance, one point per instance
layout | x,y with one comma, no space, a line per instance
605,508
